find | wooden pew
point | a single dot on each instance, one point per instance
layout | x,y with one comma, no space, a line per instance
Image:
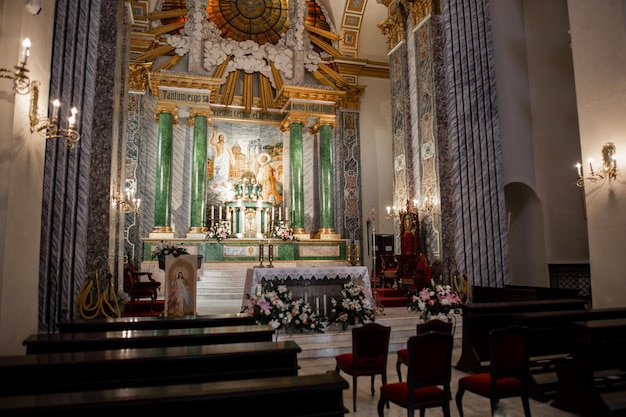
290,396
509,293
593,382
127,339
83,371
551,337
480,318
153,323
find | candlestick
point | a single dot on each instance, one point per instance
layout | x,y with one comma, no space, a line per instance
72,119
212,212
280,210
317,305
324,304
25,51
55,109
219,215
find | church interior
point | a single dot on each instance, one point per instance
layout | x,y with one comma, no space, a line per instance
469,143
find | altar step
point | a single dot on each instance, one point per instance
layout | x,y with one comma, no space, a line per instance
335,341
391,297
220,291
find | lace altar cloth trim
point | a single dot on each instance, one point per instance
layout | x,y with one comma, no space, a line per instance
359,274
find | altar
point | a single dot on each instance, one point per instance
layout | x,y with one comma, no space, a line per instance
316,285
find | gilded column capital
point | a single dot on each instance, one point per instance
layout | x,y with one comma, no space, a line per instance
323,121
138,76
290,119
200,112
166,108
422,9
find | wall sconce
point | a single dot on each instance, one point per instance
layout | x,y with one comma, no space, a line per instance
21,82
609,167
49,128
127,203
391,212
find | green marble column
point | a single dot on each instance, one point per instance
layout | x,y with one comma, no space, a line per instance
327,203
296,177
163,183
198,217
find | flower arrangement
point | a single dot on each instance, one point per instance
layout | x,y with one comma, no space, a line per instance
275,306
353,309
283,232
166,248
435,301
219,231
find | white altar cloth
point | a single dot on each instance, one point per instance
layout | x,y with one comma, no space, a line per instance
359,274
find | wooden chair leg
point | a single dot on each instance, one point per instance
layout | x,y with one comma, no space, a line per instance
398,364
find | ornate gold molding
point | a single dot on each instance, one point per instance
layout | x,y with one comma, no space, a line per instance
158,79
138,77
307,93
293,117
422,9
200,112
323,121
162,107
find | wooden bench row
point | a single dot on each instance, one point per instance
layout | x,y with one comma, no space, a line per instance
82,371
153,323
236,368
593,382
129,339
551,338
510,293
289,396
480,318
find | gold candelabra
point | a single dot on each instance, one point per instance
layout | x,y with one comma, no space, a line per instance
607,171
49,127
19,74
127,202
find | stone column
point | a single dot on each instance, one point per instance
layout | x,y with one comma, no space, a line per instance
296,174
166,117
199,119
327,202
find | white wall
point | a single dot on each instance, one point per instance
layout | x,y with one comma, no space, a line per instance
21,170
598,38
376,156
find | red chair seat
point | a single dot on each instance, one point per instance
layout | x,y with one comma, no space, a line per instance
481,384
398,393
363,364
403,355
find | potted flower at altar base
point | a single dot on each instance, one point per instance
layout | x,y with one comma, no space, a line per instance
436,301
281,231
219,231
353,309
166,248
274,305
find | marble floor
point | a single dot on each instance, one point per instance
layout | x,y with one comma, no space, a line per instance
473,405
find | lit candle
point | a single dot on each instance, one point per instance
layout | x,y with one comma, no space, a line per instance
590,166
55,109
72,118
280,210
25,51
580,169
212,212
317,305
219,213
388,210
324,304
272,213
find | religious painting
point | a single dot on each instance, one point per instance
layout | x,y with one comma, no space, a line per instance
180,285
242,157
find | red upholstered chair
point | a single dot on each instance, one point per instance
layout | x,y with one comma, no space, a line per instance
136,288
508,370
428,379
434,325
370,347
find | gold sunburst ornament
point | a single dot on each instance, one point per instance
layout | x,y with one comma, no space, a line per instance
261,21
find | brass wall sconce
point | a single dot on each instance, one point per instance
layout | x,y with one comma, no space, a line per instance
49,127
19,75
127,203
608,170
